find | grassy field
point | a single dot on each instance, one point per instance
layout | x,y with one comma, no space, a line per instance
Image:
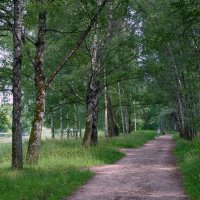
62,167
188,158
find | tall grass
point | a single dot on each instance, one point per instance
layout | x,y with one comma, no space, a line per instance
188,158
62,167
5,152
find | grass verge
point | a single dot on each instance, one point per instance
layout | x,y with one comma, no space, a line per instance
60,170
188,158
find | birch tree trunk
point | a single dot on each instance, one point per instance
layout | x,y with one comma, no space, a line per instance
105,43
36,131
17,155
106,106
196,49
90,136
128,119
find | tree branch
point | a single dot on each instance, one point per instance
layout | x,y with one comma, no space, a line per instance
78,44
74,93
28,50
66,32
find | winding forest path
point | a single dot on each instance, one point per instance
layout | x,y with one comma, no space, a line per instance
146,173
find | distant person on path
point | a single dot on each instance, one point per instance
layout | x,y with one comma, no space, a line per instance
158,132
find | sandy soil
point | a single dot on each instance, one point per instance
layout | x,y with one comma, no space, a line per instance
146,173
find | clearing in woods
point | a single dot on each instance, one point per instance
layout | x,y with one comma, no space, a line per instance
146,173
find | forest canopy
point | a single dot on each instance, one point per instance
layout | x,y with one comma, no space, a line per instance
83,67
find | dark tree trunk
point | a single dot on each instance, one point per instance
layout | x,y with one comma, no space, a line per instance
17,155
79,121
112,126
67,118
181,116
175,120
61,123
76,123
36,131
52,126
121,108
129,119
90,136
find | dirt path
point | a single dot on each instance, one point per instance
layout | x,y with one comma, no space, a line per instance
146,173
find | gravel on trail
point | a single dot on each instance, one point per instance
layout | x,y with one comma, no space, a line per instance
146,173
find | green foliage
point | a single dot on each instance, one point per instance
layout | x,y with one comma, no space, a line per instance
188,157
60,169
5,119
187,11
4,76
